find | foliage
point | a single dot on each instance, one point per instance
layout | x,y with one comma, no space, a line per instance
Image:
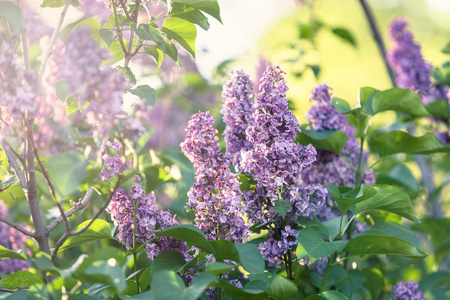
287,211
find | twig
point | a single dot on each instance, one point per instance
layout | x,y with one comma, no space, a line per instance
26,54
50,184
71,211
377,37
17,227
67,234
12,161
52,41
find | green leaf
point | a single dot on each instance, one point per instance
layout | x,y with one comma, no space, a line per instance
107,36
311,244
12,14
146,93
189,234
328,295
147,32
172,52
62,90
181,31
52,3
224,249
99,229
211,7
446,49
154,176
365,98
388,198
167,285
200,283
439,108
331,140
72,105
281,288
116,51
341,105
43,261
169,261
330,228
375,281
400,100
346,199
250,258
400,175
66,170
399,231
345,35
20,279
354,281
156,53
190,14
281,207
107,272
7,253
374,241
217,268
394,142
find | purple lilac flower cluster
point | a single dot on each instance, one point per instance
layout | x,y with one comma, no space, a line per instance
413,72
18,87
331,167
113,165
407,291
97,87
237,109
11,239
136,214
215,195
270,155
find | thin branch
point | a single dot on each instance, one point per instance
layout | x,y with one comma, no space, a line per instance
12,161
71,211
67,234
119,30
17,227
52,41
50,184
377,37
26,52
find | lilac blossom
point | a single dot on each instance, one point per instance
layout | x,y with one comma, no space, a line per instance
96,86
18,87
237,98
137,219
113,164
413,72
407,291
215,195
12,239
